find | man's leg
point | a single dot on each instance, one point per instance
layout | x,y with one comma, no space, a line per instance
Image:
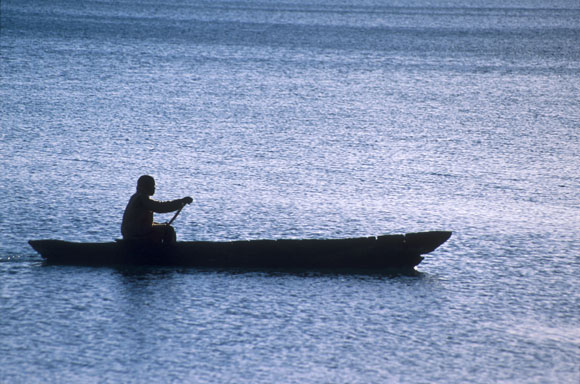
163,234
169,235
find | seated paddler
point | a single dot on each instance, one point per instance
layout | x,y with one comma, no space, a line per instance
138,221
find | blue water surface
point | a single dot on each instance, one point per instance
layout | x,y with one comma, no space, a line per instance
294,119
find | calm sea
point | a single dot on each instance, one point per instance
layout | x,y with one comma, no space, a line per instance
294,119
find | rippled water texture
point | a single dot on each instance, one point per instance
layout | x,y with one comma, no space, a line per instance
297,119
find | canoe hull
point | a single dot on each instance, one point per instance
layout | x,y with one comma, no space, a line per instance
382,252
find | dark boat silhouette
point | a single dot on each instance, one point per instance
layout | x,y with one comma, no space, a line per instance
382,252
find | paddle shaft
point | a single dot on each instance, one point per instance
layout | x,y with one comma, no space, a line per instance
175,216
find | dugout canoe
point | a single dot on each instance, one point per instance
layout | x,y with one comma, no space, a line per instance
381,252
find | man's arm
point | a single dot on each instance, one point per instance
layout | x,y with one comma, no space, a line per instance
165,206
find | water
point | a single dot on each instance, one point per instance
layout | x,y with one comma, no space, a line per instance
318,119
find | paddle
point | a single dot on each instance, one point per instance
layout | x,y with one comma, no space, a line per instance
175,216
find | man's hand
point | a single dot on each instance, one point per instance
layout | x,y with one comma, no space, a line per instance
187,200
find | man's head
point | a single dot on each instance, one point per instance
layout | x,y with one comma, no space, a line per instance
146,184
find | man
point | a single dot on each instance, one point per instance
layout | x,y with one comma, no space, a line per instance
138,217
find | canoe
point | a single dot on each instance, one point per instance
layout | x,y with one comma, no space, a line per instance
381,252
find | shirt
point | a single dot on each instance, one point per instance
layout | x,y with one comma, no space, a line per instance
138,216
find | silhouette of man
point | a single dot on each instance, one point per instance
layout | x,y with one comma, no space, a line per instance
138,217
